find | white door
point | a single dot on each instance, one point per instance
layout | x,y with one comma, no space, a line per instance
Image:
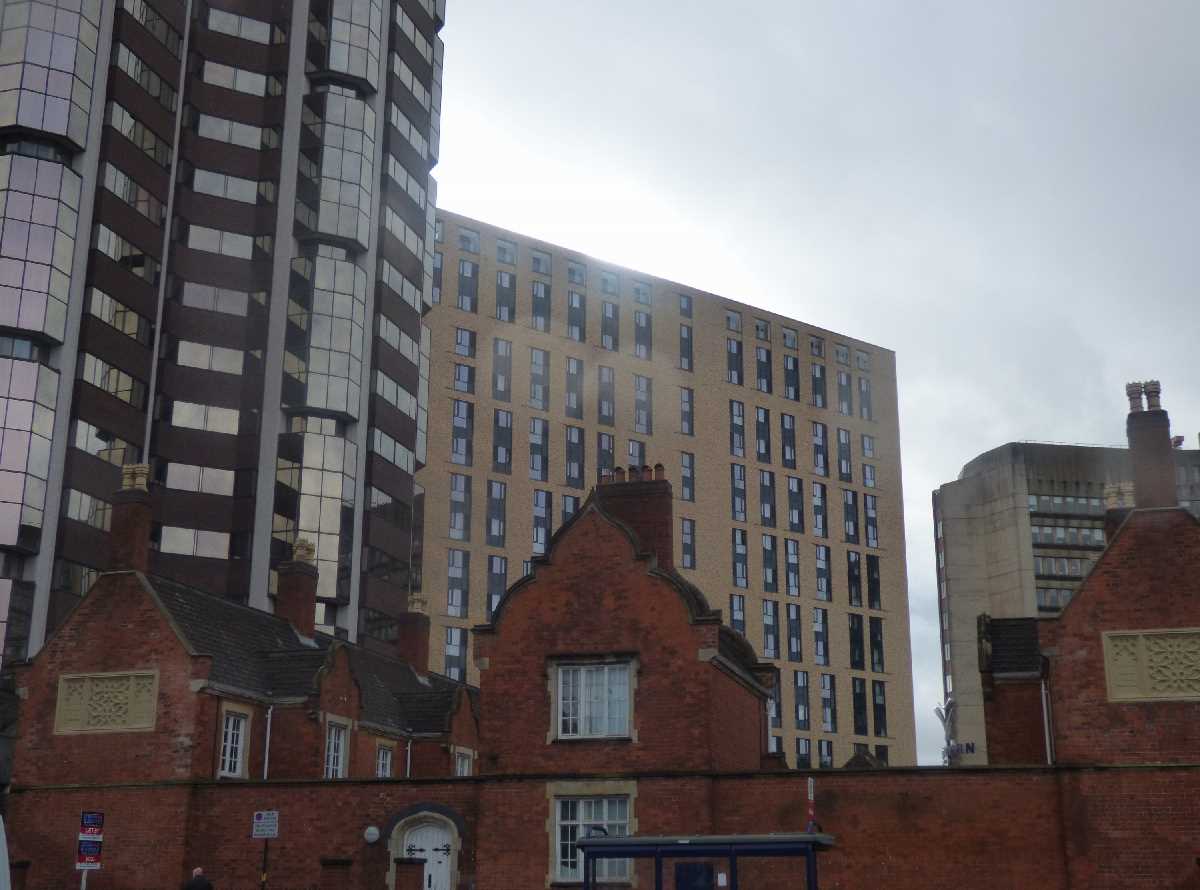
431,841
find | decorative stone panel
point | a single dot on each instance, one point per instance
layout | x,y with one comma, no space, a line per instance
1157,665
119,702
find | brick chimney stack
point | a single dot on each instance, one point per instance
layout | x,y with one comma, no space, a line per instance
296,591
132,515
412,634
1150,451
641,498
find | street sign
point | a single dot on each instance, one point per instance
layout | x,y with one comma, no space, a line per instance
91,840
266,824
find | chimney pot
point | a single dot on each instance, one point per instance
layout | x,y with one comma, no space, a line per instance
660,472
1153,390
635,474
132,515
619,474
296,592
1134,392
1150,451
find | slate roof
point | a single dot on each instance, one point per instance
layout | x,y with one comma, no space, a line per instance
1014,646
260,653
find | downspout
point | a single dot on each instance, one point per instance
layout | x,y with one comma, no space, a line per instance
408,759
267,742
1047,716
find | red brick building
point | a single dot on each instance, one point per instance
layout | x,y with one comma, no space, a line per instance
611,696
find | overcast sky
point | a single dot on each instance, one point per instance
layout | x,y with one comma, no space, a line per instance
1005,194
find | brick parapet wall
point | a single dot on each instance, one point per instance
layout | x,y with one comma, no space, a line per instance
1126,827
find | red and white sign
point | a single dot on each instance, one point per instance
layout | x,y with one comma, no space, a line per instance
91,840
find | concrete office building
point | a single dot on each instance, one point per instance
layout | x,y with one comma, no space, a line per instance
1015,536
780,441
216,227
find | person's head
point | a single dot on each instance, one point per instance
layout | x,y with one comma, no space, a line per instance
197,871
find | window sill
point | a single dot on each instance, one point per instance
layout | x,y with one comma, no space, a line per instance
574,740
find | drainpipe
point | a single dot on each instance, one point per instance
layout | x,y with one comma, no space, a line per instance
1046,718
267,742
408,759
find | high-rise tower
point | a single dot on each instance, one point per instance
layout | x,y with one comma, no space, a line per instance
215,256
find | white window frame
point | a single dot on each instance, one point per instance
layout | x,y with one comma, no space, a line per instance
463,756
385,756
571,699
571,821
234,767
336,731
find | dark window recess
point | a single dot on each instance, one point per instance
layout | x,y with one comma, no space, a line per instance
733,361
637,453
437,278
820,526
506,296
819,397
850,515
792,555
502,370
858,688
574,389
496,513
874,595
610,326
497,582
869,504
577,273
737,428
762,434
685,305
879,694
820,636
771,635
854,577
540,306
542,501
865,410
605,453
737,612
787,435
803,754
820,438
464,342
570,506
643,335
737,492
688,528
858,649
685,347
464,379
539,449
539,379
462,433
762,357
794,633
828,703
606,397
845,467
458,579
770,568
824,583
577,316
740,559
791,378
688,476
774,717
460,507
876,625
845,394
643,405
800,687
795,504
687,401
468,286
575,457
502,441
766,497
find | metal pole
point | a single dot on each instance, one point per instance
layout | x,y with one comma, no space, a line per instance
83,880
266,847
587,871
810,868
733,884
658,870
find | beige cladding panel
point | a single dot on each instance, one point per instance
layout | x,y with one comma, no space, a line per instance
710,444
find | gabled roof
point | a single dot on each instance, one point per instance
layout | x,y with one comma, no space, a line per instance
259,653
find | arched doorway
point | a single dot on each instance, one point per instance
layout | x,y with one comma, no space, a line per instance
431,837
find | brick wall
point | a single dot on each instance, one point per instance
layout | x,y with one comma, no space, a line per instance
925,829
564,612
1016,735
1149,578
